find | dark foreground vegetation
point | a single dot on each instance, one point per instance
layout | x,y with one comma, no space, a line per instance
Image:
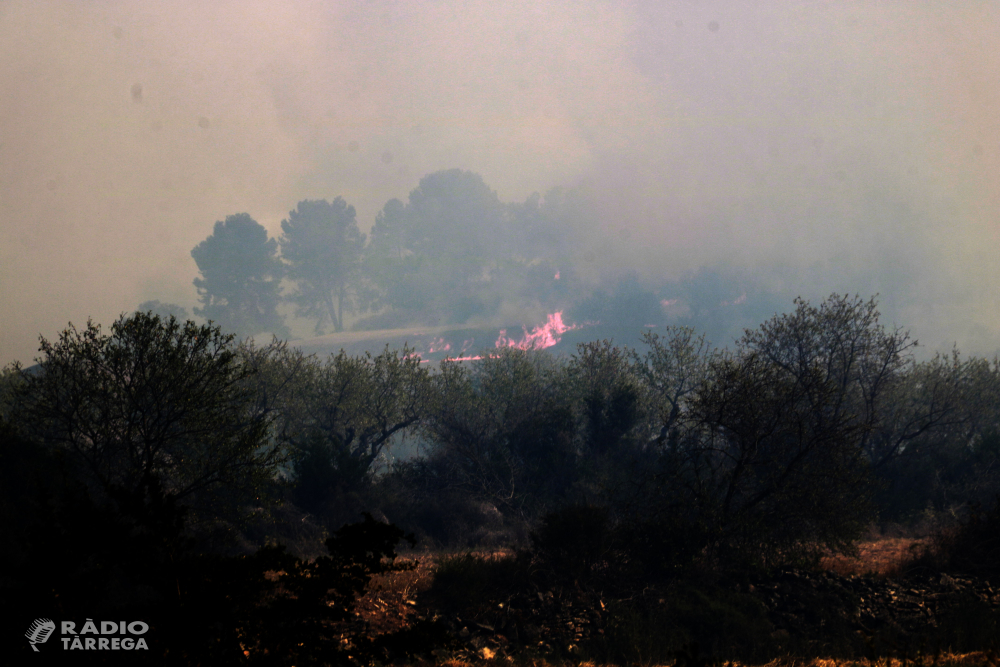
671,503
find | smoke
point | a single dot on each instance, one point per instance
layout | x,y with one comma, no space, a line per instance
819,149
808,147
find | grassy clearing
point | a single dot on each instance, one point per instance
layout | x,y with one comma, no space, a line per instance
881,557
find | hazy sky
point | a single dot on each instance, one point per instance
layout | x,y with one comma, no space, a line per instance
827,146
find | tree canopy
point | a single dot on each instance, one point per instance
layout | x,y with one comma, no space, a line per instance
322,247
153,400
454,251
779,426
241,275
432,257
164,310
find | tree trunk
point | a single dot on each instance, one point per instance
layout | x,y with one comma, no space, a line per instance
339,325
334,319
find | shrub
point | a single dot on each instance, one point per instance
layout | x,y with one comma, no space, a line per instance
972,547
127,555
154,400
571,541
470,581
682,624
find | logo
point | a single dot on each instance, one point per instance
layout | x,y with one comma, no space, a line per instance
39,632
109,636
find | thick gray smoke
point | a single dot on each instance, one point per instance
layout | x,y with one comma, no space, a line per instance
803,148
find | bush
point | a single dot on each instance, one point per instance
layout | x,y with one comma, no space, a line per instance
972,547
662,544
128,556
572,541
424,498
682,624
470,581
153,400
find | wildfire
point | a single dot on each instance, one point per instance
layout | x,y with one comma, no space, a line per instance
540,337
439,345
475,358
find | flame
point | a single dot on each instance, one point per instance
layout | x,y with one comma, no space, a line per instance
540,337
475,358
439,345
415,355
557,275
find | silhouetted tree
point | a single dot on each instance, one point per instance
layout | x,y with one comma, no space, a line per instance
609,396
322,246
153,400
503,430
785,421
672,370
431,258
241,274
936,446
164,310
347,412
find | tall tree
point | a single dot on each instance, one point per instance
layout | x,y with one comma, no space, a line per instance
785,421
241,275
341,416
322,246
433,258
503,430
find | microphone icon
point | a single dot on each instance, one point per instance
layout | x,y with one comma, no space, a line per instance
39,632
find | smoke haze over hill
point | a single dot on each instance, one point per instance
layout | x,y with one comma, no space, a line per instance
777,149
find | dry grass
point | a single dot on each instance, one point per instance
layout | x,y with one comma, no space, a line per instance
390,601
389,605
977,659
882,557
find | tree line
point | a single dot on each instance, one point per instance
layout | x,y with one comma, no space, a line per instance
451,252
153,467
814,425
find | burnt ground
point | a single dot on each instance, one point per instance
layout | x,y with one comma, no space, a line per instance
818,613
390,604
794,612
